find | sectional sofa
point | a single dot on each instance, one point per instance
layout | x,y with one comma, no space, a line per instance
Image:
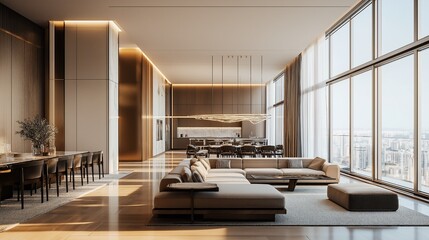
240,196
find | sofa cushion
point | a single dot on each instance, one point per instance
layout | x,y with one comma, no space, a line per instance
225,174
186,174
235,162
317,163
199,167
205,162
227,180
230,196
263,172
197,177
241,196
295,163
227,170
223,163
259,163
301,172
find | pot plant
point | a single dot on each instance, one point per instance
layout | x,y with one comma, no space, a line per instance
39,132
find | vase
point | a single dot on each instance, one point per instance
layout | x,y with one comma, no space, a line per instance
37,149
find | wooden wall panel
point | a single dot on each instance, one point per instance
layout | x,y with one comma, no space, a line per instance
130,105
21,75
18,90
5,89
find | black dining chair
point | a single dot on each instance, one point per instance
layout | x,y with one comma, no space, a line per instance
247,150
268,151
6,179
191,150
97,158
51,170
279,151
228,151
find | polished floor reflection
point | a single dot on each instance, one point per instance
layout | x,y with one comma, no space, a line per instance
122,209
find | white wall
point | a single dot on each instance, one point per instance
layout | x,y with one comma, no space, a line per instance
158,111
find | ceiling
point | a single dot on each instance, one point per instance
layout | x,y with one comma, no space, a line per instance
181,37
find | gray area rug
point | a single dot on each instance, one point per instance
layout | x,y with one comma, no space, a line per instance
12,214
309,206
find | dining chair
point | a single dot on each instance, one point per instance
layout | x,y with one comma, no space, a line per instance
5,179
87,161
28,173
191,150
65,164
247,150
279,151
51,170
77,165
97,158
228,151
268,151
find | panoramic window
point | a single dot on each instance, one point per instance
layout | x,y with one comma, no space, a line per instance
396,22
424,108
361,26
397,121
361,159
340,137
340,54
275,99
423,18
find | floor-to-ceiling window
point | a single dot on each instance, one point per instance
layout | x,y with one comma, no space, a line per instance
424,119
275,107
396,81
361,37
340,128
423,18
361,132
383,134
339,41
396,24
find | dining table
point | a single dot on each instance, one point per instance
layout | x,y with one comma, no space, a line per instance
14,160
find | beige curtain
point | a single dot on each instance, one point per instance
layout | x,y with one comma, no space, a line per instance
292,114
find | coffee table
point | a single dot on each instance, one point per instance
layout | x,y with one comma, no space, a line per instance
293,179
192,188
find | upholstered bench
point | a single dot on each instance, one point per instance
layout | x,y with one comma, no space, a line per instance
362,197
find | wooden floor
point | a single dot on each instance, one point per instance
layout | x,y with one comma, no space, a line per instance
121,209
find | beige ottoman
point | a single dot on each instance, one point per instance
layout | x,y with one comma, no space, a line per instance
362,197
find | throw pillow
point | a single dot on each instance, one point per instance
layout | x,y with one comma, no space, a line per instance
317,163
186,175
295,164
223,163
205,162
192,161
198,166
196,177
